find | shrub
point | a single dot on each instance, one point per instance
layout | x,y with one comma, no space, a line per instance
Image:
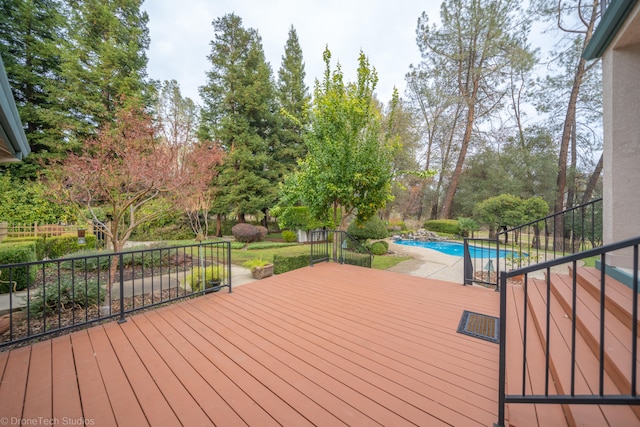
73,294
289,236
14,253
38,240
282,264
373,228
378,248
447,226
467,226
263,231
58,246
253,263
211,273
246,233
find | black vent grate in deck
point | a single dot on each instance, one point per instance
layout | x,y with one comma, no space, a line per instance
480,326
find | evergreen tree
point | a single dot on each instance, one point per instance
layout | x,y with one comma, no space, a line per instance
294,99
239,112
30,38
104,60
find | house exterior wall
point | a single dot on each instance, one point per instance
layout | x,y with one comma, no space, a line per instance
621,115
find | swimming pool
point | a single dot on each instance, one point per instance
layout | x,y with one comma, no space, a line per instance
457,249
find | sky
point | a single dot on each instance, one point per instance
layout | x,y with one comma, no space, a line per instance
180,33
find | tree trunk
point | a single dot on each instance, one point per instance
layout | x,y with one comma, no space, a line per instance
219,225
569,125
593,181
457,172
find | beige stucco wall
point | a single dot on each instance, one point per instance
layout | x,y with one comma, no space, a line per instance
621,108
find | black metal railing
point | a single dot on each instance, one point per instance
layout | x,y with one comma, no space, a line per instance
338,246
599,398
44,297
571,231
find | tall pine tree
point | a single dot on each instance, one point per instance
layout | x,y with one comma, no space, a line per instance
104,61
294,102
30,38
239,112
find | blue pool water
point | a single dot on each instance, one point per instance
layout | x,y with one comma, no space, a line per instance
457,249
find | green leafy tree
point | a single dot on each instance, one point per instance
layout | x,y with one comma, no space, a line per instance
525,168
348,168
400,127
30,46
25,202
294,102
239,112
503,211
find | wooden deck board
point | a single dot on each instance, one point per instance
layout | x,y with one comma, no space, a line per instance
66,396
527,414
124,403
307,376
415,369
38,399
328,345
93,394
586,367
153,403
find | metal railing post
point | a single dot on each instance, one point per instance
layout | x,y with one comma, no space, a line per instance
503,346
121,264
468,265
228,248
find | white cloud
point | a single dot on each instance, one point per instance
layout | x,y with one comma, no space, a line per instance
180,33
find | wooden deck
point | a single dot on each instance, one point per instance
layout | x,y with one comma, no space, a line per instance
327,345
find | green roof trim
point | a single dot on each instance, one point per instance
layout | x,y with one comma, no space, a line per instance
12,137
613,18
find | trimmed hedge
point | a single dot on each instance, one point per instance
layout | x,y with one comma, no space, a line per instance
59,246
448,226
38,240
15,253
282,264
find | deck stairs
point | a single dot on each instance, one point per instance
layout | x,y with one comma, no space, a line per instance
555,290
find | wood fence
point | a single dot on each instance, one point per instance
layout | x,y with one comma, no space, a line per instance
44,230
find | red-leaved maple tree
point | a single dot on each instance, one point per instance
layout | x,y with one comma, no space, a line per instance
126,166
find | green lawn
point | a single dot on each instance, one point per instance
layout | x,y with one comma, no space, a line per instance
239,256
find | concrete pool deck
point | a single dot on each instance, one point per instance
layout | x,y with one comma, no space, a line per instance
433,264
428,263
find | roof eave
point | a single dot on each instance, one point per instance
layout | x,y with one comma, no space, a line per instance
12,136
613,18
